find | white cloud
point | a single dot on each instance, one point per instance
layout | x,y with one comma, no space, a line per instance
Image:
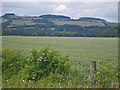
60,0
60,8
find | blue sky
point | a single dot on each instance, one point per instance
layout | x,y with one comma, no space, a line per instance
104,10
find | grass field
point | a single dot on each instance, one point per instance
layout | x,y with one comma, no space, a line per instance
80,49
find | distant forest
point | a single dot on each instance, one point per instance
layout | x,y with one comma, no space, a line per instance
57,25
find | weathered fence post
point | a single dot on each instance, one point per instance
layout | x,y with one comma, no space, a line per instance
92,71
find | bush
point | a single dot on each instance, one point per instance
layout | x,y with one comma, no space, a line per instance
45,62
12,62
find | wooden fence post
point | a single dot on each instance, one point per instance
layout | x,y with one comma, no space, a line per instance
92,70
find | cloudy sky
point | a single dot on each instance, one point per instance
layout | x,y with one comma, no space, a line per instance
104,10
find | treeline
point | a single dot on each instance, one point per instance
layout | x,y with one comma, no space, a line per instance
62,30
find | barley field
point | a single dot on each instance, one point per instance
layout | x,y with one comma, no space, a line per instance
80,49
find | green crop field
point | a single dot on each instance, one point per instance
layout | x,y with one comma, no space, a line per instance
81,50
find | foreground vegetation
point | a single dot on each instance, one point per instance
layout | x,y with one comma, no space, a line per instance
80,51
47,68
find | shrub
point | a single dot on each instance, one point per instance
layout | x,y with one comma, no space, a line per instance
44,62
12,62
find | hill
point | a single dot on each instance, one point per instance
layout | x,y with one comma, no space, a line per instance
56,25
55,17
92,19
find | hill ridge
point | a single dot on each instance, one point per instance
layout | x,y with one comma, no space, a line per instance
59,16
57,25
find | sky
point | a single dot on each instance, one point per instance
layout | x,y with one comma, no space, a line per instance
104,10
60,0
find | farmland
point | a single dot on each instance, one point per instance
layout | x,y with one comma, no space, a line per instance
81,23
80,49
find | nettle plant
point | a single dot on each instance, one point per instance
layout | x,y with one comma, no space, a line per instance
105,77
12,62
45,62
107,74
